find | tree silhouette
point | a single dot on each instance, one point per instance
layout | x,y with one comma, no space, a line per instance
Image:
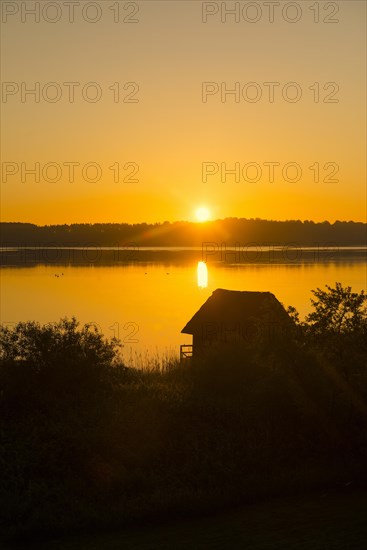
337,311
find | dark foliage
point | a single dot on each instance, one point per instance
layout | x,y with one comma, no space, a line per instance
245,232
89,443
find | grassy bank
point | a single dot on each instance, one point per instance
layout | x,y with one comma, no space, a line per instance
88,444
325,520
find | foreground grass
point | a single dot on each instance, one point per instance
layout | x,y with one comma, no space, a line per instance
90,446
319,522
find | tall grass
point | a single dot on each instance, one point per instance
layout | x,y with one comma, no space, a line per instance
159,438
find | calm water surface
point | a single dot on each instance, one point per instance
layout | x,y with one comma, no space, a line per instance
147,304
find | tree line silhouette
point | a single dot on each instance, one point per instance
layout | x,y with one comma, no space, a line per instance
230,230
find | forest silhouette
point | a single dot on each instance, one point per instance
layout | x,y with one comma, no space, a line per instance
245,232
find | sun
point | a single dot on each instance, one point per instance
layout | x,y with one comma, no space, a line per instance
202,214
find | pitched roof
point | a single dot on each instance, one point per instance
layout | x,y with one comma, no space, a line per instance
237,307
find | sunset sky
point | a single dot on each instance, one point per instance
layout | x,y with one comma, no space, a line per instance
170,132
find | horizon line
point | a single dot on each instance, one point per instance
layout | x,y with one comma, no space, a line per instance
184,221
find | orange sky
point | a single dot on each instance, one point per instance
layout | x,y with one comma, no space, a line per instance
170,132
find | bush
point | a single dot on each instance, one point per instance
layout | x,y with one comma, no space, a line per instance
58,363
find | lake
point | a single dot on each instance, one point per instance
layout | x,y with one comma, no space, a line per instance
147,296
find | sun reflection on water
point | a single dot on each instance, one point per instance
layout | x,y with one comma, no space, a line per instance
202,275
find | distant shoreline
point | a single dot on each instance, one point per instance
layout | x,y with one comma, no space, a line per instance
100,256
230,232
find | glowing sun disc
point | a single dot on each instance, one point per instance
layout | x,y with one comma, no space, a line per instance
202,214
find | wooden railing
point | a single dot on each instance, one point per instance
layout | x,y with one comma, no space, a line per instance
185,351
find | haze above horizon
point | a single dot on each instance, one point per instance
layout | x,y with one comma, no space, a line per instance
159,109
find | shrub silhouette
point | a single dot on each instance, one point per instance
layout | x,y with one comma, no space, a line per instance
337,328
56,361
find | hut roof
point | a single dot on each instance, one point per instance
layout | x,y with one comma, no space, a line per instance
240,307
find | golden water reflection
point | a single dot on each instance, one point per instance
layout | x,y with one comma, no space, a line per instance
202,272
146,305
